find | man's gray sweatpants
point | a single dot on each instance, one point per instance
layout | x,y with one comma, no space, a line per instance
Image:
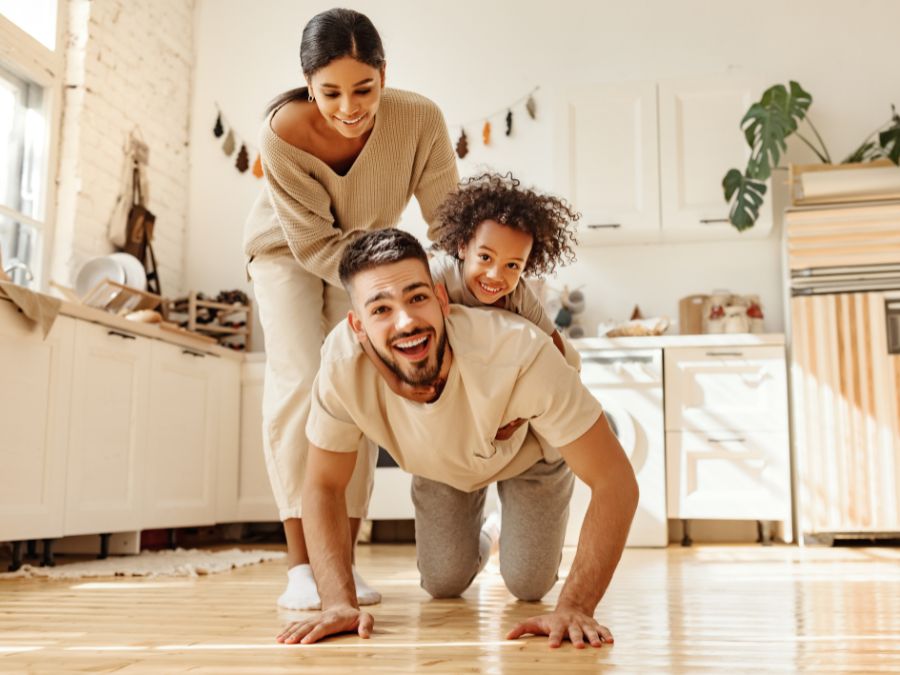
451,551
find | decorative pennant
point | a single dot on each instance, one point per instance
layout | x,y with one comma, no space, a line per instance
218,130
531,107
228,145
257,167
462,145
243,160
486,133
509,119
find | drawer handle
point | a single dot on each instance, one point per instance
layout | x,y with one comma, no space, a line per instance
724,353
609,360
713,221
191,352
602,226
726,440
124,336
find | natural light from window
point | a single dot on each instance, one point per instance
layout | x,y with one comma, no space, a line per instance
35,17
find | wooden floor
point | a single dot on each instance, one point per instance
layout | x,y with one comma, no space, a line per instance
713,609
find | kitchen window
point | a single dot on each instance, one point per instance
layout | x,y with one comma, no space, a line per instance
30,74
23,150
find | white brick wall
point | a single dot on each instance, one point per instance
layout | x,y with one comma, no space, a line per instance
129,63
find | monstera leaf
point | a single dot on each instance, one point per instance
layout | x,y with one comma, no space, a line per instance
890,138
748,196
769,122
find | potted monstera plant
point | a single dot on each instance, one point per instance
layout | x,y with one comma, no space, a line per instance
779,114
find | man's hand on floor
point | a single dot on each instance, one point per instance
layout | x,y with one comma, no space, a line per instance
330,622
581,629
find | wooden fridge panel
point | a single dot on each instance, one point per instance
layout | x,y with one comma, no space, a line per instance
845,404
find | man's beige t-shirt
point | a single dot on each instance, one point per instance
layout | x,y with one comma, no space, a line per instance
523,301
503,368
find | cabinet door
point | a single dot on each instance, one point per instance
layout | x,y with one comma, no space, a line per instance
108,430
700,139
228,376
607,161
728,475
726,388
254,499
179,483
34,418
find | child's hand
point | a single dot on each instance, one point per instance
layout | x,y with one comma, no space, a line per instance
505,432
398,386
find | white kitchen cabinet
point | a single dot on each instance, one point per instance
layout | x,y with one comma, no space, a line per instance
108,430
716,388
254,493
734,475
34,418
227,454
180,476
607,160
727,445
700,139
644,162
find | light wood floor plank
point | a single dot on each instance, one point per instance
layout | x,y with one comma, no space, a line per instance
715,609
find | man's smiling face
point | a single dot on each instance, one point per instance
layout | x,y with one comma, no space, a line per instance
401,313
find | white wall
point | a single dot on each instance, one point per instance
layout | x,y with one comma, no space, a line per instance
474,57
128,65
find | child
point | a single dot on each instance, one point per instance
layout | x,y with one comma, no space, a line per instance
493,231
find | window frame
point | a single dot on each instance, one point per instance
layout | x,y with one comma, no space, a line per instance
26,57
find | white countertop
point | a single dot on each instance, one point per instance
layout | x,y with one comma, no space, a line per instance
670,341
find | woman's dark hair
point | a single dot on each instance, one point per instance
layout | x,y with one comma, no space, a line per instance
331,35
549,220
377,248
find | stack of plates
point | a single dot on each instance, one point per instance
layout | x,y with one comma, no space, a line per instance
123,268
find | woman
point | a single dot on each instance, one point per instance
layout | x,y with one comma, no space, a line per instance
341,156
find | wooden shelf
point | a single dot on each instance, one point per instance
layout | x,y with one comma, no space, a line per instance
224,335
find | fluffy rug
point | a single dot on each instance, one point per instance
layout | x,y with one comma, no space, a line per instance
178,563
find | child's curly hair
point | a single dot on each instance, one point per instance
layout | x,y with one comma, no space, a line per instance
549,220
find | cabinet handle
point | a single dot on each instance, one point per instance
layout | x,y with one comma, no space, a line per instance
726,440
601,226
191,352
724,353
713,221
124,336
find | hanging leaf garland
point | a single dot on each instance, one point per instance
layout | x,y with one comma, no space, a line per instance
243,160
462,145
228,145
233,141
508,114
531,107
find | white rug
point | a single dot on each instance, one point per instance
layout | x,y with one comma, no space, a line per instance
178,563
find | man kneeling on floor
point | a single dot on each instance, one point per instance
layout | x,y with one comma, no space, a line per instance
489,368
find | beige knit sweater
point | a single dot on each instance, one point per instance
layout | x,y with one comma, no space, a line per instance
313,212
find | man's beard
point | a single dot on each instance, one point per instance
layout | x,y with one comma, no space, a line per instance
423,376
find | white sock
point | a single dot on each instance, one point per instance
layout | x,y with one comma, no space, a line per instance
301,592
365,594
490,530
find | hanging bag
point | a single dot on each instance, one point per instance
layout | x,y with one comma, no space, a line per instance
139,233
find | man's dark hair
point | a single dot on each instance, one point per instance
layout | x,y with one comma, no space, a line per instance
377,248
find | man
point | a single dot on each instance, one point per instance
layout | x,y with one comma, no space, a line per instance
487,368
